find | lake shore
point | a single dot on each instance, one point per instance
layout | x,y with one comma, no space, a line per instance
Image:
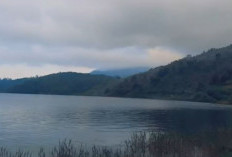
145,144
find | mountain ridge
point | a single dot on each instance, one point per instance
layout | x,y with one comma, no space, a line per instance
206,77
65,83
124,72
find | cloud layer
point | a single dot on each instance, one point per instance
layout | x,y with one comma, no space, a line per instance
110,33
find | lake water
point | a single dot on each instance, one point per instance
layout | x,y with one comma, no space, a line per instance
31,121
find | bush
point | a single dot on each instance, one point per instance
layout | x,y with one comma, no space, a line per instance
152,144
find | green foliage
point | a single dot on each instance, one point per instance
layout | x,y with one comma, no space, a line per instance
68,83
205,77
8,83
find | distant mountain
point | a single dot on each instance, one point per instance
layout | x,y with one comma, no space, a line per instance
68,83
206,77
121,72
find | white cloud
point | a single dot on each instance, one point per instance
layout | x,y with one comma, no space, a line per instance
23,70
38,55
163,56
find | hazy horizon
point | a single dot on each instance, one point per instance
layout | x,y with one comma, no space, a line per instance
44,73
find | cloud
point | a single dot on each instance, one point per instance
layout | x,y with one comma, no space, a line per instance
110,33
188,25
163,56
38,55
23,70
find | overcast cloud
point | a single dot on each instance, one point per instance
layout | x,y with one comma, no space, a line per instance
41,37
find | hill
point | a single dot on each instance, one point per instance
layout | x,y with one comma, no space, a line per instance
5,84
68,83
206,77
121,72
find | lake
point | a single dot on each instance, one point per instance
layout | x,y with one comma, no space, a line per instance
31,121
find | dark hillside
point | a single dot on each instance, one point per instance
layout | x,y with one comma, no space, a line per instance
206,77
5,84
68,83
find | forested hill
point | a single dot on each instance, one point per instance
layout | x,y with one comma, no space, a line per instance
206,77
6,84
68,83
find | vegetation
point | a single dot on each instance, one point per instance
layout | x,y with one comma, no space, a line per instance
207,144
206,77
68,83
6,83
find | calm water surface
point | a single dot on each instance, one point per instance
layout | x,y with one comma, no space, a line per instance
42,120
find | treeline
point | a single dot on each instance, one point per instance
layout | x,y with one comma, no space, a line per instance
206,77
68,83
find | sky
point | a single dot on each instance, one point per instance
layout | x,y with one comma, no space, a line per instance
47,36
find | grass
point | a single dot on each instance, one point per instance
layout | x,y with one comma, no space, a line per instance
152,144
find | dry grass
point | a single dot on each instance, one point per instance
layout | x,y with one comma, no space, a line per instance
152,144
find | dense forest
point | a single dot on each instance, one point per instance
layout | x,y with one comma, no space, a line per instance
68,83
206,77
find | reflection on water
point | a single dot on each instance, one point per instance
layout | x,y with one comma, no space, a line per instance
35,120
